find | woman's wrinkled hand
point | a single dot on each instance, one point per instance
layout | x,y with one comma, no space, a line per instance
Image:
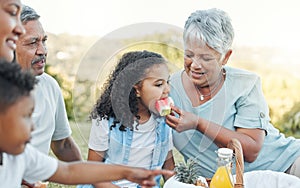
180,120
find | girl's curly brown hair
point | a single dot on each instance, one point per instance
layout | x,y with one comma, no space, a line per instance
118,99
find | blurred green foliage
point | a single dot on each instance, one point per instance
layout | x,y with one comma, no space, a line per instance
290,122
66,89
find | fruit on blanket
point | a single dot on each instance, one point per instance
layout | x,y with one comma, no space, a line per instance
163,106
187,173
187,176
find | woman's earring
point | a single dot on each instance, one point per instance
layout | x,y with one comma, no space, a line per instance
223,71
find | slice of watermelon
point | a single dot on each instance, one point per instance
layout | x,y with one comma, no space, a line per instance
163,106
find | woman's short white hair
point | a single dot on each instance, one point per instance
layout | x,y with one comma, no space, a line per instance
212,26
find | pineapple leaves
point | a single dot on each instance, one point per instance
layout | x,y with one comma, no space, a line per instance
187,173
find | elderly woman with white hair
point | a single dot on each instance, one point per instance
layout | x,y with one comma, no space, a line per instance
215,103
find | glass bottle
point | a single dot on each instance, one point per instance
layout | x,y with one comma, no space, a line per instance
223,176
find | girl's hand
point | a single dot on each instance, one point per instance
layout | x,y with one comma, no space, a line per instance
183,121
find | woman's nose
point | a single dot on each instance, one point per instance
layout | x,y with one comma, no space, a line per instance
196,63
19,29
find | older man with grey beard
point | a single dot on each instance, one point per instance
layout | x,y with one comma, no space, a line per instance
51,124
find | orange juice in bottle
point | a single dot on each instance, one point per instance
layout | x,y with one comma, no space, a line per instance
223,177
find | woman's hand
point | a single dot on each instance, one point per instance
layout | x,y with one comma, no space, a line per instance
182,121
252,139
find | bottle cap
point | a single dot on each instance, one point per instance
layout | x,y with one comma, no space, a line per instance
225,153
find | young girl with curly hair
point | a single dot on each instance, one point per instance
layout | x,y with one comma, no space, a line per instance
126,128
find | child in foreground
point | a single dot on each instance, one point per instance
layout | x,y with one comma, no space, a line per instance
19,160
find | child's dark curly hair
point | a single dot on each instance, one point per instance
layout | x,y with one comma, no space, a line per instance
119,99
14,84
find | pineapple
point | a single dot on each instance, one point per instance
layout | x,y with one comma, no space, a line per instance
188,173
187,176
